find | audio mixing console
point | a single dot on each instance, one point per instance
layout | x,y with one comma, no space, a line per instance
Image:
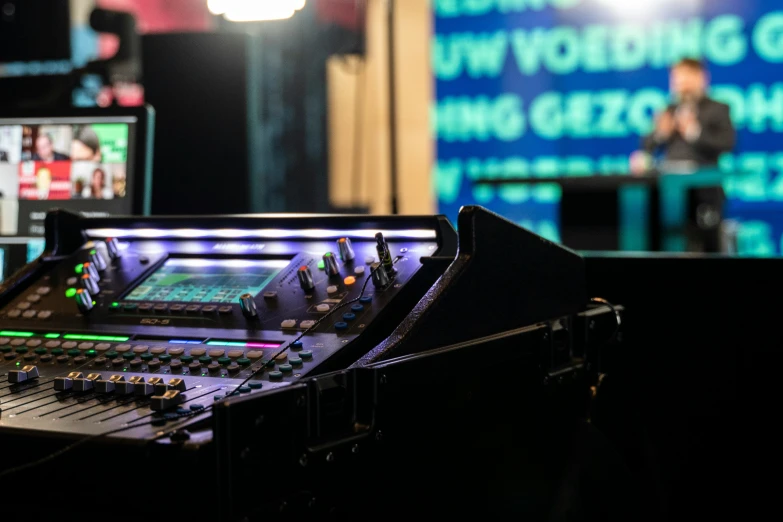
126,321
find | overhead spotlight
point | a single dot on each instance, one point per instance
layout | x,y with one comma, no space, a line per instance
255,10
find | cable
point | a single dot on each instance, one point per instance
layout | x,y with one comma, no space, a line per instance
618,318
193,413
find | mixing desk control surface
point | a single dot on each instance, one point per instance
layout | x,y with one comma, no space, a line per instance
138,322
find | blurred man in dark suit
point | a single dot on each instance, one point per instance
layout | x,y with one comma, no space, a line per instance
3,156
694,129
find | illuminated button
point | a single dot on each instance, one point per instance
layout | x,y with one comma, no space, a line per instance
216,353
160,307
145,307
29,314
122,348
225,361
86,346
177,308
52,344
102,347
44,290
165,357
349,316
288,323
306,355
140,348
32,343
359,270
206,359
322,307
275,376
307,324
146,357
369,260
17,342
331,289
357,308
24,305
286,368
209,309
33,298
225,310
296,362
243,361
281,357
235,353
13,314
365,299
176,352
198,352
348,281
157,350
340,325
255,354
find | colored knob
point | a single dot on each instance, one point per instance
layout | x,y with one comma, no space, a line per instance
83,300
113,248
380,278
330,264
346,250
97,258
305,278
248,306
89,284
89,268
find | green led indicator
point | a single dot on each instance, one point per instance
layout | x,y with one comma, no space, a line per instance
320,265
18,363
93,303
107,338
52,336
115,305
12,333
79,268
92,252
328,254
70,292
225,343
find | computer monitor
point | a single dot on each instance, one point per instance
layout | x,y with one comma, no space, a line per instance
93,161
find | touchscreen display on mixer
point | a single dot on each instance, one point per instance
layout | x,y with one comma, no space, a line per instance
206,280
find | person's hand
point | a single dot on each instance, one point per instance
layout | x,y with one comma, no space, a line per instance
664,125
688,124
640,163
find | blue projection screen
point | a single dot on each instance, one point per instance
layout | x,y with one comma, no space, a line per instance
539,88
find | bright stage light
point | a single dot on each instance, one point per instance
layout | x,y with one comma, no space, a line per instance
636,8
255,10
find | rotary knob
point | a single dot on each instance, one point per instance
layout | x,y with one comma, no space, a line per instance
346,249
305,278
90,284
248,306
330,264
113,248
89,268
97,259
84,300
380,278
